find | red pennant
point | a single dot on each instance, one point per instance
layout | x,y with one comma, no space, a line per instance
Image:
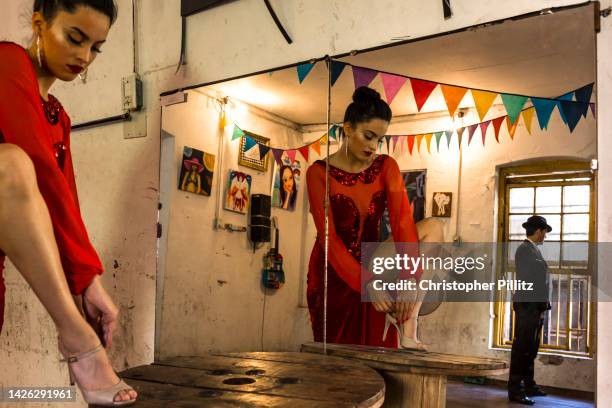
410,143
497,125
483,130
421,90
471,130
291,154
304,151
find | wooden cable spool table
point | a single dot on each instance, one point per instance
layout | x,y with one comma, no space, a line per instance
413,379
265,379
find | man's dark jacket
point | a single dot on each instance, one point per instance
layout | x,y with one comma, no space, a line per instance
531,267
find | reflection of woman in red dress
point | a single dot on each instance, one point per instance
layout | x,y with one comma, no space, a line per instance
39,209
361,185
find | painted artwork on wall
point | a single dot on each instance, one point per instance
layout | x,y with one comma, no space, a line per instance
441,205
286,184
238,192
197,170
414,182
250,154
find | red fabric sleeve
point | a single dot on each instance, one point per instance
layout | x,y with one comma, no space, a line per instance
22,122
345,265
402,223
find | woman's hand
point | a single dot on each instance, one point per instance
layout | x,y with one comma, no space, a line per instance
381,300
100,311
404,305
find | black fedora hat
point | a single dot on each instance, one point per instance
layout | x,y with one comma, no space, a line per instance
537,222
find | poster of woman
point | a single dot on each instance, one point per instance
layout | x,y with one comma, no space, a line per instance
286,184
238,192
197,170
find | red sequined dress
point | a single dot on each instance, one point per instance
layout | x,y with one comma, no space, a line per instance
42,130
357,204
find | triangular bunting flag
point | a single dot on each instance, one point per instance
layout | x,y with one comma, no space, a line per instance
303,70
332,132
449,135
453,96
483,130
497,125
483,101
237,133
304,152
278,154
592,105
363,76
511,128
528,118
428,140
572,112
249,143
584,94
392,85
387,139
460,136
291,154
567,97
395,138
263,150
411,140
438,137
336,70
543,108
323,140
316,146
471,130
421,90
419,138
514,105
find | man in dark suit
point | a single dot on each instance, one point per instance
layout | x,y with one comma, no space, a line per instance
529,308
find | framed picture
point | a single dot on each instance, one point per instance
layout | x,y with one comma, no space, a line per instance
248,156
238,192
197,170
441,204
286,184
414,183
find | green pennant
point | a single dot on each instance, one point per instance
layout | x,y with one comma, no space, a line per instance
237,133
332,132
514,105
438,136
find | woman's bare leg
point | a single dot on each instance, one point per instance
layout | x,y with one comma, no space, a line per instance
27,238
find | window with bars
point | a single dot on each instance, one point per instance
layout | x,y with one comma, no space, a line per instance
563,193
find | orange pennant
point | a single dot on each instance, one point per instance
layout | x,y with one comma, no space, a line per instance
528,117
316,146
428,140
453,96
511,127
484,101
419,138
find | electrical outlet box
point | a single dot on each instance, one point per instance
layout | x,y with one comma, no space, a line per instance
131,93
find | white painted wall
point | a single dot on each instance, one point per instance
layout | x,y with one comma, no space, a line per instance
234,39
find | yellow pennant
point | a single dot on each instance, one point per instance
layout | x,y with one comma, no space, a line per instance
428,140
483,101
323,140
418,142
511,127
528,117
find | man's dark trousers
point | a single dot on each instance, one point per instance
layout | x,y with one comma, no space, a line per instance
528,320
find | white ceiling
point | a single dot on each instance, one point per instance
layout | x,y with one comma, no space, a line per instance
546,56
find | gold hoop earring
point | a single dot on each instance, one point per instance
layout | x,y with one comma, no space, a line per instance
38,52
346,142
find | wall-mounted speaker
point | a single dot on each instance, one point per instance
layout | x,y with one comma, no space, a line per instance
259,225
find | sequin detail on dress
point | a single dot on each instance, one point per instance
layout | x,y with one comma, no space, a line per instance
52,109
366,176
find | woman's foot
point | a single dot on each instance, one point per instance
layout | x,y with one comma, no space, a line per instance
409,338
92,371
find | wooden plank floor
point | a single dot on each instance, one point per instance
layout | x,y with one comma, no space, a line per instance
461,395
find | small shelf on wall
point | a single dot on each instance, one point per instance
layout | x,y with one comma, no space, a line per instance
190,7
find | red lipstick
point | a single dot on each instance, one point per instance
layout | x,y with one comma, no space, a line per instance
368,154
75,69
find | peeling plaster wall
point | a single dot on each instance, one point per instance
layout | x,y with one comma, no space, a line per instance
464,328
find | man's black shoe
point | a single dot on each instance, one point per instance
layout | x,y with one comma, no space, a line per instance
521,399
535,392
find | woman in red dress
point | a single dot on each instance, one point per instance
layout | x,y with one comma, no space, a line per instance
41,229
361,185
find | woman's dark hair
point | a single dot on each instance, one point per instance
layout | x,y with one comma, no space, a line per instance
283,193
367,104
50,8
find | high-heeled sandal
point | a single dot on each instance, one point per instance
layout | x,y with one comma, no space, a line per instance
105,396
403,342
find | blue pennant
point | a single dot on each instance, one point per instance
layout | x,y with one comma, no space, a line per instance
584,95
336,70
332,132
449,135
544,108
249,143
572,111
567,97
263,150
303,70
387,138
